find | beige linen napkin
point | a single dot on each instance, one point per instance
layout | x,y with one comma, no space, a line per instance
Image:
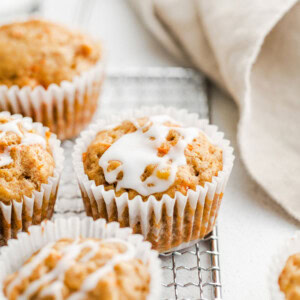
252,49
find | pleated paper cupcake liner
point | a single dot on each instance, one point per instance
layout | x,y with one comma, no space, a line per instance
18,251
66,108
18,216
169,222
290,247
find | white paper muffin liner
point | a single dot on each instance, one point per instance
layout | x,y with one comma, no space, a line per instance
193,216
18,216
18,251
65,108
290,247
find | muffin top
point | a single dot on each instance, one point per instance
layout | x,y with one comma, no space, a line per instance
39,52
289,279
81,269
151,156
26,159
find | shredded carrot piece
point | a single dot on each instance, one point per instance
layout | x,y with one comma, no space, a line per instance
163,150
84,156
47,134
190,147
163,174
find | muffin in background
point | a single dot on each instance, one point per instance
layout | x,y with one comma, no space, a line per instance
51,74
160,171
31,161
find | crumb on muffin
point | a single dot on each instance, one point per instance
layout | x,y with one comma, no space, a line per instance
289,279
82,268
26,160
38,52
203,159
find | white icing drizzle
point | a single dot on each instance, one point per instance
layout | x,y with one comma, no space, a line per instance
28,138
54,289
69,254
139,149
32,139
27,269
11,126
91,281
5,158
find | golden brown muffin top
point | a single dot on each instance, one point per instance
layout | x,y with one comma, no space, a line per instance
154,156
25,159
289,279
81,269
38,52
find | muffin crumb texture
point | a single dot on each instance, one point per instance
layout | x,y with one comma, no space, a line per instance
81,269
151,156
38,52
26,160
289,279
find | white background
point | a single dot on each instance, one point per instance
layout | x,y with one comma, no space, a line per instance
251,225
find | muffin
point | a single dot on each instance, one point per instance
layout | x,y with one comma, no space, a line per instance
51,74
30,165
289,279
81,269
284,270
98,261
160,171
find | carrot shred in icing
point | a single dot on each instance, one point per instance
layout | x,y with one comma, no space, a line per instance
107,145
47,135
184,189
84,156
163,150
163,174
190,147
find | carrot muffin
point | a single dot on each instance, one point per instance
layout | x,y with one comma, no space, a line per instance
28,174
155,174
289,279
155,156
84,268
50,73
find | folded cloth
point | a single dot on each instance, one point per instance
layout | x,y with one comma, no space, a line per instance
251,48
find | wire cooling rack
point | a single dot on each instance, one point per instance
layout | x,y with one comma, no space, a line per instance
193,273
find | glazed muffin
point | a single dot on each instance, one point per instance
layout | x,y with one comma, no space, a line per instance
81,269
50,73
29,174
73,258
156,175
289,279
151,157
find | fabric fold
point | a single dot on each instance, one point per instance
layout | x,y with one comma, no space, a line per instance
252,50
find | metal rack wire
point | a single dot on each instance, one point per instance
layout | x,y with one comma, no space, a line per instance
193,273
205,274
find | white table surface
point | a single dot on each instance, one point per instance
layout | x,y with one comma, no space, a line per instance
251,225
